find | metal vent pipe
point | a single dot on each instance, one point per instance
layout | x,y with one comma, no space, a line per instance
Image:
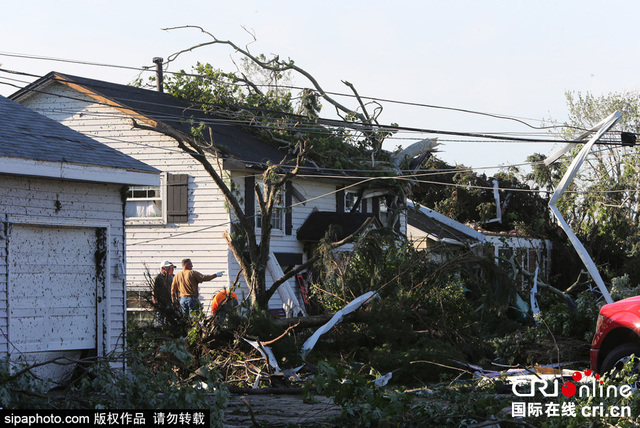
158,62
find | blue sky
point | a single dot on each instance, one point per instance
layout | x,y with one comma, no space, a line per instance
511,58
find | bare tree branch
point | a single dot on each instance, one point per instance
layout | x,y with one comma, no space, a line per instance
275,64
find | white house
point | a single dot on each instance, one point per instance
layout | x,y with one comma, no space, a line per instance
62,251
187,214
428,229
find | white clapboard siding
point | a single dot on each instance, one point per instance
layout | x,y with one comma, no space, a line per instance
201,238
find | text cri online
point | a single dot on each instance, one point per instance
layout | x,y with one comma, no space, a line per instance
602,411
36,419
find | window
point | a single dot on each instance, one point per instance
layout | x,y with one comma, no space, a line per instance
277,215
281,218
350,199
167,203
144,203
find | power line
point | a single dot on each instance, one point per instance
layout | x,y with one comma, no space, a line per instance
365,128
377,99
101,116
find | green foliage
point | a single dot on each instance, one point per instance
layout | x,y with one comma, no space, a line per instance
362,402
622,288
602,208
471,198
254,97
580,323
427,310
21,390
156,378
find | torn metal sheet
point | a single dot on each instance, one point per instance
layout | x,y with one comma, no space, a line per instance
602,127
290,302
415,149
350,307
383,380
535,307
554,157
266,353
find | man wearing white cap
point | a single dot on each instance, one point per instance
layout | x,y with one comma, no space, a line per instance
162,287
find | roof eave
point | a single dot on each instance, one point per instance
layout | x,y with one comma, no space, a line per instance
78,172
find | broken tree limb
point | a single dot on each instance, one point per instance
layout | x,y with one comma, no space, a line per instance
274,64
291,327
253,416
570,302
318,320
265,391
577,283
310,261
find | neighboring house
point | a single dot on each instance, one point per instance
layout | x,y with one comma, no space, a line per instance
187,214
428,229
62,289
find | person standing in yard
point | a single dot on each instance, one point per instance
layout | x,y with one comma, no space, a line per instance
185,286
161,292
222,299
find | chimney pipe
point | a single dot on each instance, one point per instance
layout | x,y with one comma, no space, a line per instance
158,62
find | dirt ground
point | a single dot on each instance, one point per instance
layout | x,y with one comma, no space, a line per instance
278,410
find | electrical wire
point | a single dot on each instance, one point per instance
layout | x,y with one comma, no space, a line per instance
236,122
297,120
343,123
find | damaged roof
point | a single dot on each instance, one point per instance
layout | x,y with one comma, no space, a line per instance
25,134
155,107
316,225
440,227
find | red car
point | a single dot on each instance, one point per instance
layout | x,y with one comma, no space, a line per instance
617,335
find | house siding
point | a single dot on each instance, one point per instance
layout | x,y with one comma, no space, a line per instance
37,201
201,237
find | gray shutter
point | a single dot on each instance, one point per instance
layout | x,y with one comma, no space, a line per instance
177,198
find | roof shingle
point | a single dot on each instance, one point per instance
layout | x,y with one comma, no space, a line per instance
29,135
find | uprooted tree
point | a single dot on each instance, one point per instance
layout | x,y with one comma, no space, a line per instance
239,97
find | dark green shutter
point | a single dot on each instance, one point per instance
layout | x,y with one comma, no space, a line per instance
288,211
249,197
340,200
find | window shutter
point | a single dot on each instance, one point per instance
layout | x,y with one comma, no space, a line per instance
178,198
375,206
340,200
249,197
288,213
